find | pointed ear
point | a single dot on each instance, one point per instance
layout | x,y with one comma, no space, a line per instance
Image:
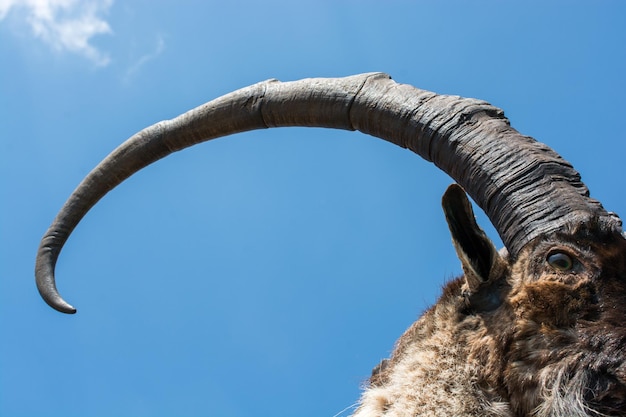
480,260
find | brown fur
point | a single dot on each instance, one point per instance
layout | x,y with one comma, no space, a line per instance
555,346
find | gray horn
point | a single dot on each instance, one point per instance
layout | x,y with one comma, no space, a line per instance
525,188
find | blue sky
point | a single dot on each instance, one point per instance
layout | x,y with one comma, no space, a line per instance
266,273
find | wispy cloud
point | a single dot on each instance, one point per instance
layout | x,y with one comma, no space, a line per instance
66,25
142,60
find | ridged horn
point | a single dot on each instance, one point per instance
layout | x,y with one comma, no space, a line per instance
525,188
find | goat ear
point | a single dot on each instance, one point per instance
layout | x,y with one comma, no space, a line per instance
480,260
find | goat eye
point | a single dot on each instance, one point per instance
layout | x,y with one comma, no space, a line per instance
560,261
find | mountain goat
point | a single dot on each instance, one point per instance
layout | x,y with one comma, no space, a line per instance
536,329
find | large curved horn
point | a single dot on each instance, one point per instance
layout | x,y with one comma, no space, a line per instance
524,187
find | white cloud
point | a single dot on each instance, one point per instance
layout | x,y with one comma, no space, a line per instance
66,25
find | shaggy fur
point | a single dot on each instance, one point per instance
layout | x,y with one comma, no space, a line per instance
555,345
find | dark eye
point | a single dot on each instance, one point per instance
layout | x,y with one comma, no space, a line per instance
560,261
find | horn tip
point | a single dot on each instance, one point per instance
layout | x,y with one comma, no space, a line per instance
61,305
54,300
44,278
